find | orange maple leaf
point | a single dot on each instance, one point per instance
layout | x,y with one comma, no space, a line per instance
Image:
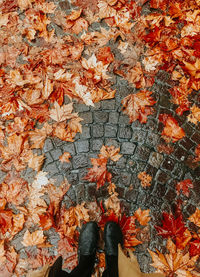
137,106
145,179
98,173
171,130
184,186
142,216
195,217
176,262
110,152
65,157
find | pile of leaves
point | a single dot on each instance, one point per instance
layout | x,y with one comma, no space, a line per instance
50,59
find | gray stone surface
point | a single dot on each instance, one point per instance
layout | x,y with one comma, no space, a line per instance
113,117
128,148
125,132
82,146
97,131
80,161
110,131
100,117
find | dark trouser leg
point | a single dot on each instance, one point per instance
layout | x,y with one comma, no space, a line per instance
111,267
83,269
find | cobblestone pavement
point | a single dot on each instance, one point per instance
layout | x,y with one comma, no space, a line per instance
106,124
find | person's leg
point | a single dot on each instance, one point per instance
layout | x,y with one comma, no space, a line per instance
87,246
112,237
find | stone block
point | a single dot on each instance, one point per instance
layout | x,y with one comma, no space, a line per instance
155,159
48,145
168,164
125,132
85,132
97,144
123,119
51,169
162,177
97,131
69,147
108,104
113,117
138,136
142,153
100,117
80,161
56,153
87,117
128,148
82,146
110,131
152,139
81,108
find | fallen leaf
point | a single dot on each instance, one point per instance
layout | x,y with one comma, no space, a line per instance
194,117
195,217
184,186
65,157
35,238
142,216
172,227
137,106
171,130
36,162
110,152
145,179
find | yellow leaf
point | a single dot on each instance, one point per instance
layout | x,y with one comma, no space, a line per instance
35,238
195,217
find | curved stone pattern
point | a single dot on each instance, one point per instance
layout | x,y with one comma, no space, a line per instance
106,124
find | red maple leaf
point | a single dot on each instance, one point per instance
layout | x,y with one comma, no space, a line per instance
184,186
171,130
171,227
159,4
194,247
98,173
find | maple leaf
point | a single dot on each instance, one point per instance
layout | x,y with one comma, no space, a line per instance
129,231
36,162
172,226
113,203
14,189
65,157
63,113
7,267
145,179
197,152
6,220
184,186
38,136
110,152
35,238
193,69
97,68
47,88
137,106
194,117
68,252
98,173
74,125
183,241
142,216
195,217
171,130
176,262
194,248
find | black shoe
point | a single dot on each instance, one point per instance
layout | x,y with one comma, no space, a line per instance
112,237
56,268
88,239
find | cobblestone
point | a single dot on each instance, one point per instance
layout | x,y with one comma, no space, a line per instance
108,104
125,132
155,159
82,146
87,117
113,117
48,145
97,144
97,131
110,131
80,161
56,153
100,117
128,148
